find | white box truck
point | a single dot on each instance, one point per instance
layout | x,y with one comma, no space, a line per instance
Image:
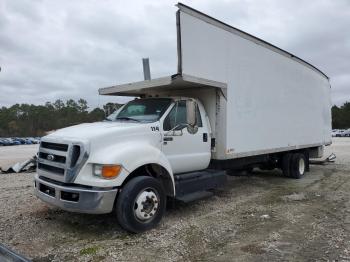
235,103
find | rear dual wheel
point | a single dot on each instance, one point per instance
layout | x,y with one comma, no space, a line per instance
294,165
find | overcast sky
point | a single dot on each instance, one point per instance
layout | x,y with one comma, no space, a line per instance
69,49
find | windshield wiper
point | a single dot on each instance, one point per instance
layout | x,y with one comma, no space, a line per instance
128,118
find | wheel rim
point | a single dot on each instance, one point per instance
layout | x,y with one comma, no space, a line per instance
146,205
301,166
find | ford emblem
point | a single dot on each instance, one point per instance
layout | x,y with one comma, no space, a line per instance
50,157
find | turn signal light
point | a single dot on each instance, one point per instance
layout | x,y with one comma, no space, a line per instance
110,172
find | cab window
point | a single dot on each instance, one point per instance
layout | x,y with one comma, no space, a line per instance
177,116
142,110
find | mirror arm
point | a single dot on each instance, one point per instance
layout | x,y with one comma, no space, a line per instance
174,129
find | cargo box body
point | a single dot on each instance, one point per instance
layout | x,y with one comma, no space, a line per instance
274,101
259,98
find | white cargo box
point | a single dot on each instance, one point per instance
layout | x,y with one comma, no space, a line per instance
259,98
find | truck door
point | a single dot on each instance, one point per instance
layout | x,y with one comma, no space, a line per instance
186,151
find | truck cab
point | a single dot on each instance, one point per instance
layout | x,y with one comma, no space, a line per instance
86,168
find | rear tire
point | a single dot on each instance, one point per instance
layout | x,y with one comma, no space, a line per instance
141,204
298,165
286,160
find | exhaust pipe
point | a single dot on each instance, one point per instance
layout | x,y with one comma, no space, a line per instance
146,69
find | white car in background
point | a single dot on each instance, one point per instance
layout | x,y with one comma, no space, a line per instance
340,132
335,132
346,133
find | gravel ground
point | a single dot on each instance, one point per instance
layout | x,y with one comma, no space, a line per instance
260,217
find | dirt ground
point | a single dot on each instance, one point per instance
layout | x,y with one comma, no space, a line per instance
260,217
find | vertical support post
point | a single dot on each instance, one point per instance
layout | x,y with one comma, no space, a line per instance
146,69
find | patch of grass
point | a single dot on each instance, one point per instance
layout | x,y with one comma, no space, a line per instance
89,251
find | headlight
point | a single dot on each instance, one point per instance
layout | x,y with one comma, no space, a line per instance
107,171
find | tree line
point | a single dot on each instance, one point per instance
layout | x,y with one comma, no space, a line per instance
35,120
21,120
341,116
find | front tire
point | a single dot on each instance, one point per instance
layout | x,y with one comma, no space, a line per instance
141,204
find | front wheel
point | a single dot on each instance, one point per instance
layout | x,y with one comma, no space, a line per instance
141,204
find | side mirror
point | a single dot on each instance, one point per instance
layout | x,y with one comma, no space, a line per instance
191,112
191,107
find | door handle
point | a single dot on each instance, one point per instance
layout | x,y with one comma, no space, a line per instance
167,138
205,137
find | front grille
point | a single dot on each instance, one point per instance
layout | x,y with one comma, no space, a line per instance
56,158
54,146
60,161
52,169
75,155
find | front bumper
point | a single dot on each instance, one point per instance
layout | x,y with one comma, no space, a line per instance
75,199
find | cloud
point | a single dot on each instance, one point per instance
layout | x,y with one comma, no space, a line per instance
69,49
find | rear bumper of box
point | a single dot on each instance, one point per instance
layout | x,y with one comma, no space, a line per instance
75,198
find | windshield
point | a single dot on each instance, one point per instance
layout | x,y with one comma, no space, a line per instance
142,110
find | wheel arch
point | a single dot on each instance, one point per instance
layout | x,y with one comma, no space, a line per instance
157,171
